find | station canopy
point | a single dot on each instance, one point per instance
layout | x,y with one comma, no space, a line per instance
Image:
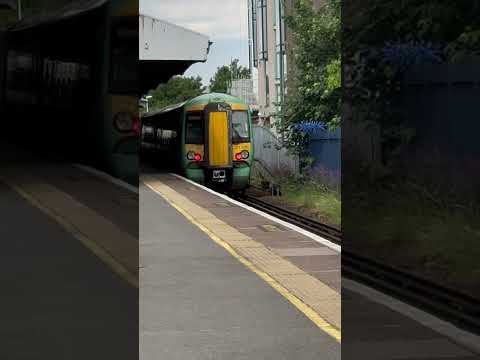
65,12
167,49
164,110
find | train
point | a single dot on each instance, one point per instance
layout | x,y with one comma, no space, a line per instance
207,139
70,81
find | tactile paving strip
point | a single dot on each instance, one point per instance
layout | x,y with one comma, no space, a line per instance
116,248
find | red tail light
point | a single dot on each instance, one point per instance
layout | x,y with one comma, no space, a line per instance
194,156
136,126
243,155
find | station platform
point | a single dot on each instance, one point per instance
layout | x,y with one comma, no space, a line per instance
69,261
380,328
218,281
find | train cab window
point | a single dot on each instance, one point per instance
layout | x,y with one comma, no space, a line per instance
194,129
240,127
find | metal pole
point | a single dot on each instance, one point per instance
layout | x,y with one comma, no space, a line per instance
19,9
250,61
146,100
282,64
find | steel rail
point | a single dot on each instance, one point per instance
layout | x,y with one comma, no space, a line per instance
306,223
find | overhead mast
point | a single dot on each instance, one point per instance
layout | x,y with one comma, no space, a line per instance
19,9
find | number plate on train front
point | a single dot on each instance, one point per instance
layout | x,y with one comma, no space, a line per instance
219,175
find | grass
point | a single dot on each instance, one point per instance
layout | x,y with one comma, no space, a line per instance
433,235
427,225
315,194
313,198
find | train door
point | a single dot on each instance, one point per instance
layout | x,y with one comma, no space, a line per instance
219,142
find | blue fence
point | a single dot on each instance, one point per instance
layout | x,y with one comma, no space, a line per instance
441,103
325,148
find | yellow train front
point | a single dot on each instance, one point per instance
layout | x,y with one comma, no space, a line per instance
208,139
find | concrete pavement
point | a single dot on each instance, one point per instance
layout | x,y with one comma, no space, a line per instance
382,328
59,300
68,261
199,302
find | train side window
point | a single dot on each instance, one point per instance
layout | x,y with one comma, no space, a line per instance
240,127
194,129
147,133
166,137
20,72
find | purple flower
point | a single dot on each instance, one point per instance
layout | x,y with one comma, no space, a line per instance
310,127
404,55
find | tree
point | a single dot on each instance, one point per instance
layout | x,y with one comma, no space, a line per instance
452,22
176,90
385,39
220,82
314,92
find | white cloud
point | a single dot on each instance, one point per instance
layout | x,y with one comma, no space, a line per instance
217,18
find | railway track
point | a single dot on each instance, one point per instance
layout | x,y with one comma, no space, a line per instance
444,302
306,223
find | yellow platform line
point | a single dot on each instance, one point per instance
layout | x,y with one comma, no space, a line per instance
300,305
91,245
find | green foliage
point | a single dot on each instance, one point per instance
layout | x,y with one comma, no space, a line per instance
314,92
373,87
333,80
220,82
454,22
410,212
176,90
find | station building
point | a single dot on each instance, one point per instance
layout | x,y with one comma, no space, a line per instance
270,51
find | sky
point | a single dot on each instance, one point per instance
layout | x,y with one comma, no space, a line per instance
224,21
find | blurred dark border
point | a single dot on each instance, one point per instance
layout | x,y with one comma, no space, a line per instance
410,170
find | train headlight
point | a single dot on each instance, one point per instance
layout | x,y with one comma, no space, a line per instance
124,122
243,155
193,156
